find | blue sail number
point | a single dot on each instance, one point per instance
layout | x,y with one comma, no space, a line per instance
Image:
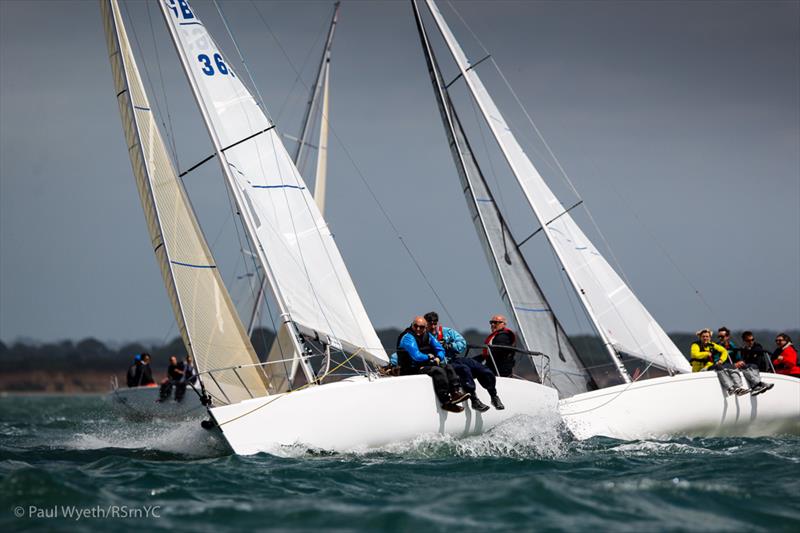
208,67
183,5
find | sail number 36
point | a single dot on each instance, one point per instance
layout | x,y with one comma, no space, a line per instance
208,67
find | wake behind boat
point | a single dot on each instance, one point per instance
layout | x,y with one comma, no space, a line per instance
143,403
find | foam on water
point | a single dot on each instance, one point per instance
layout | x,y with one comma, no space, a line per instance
184,437
520,437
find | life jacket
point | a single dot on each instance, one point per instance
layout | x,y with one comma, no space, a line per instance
440,334
491,337
404,359
711,348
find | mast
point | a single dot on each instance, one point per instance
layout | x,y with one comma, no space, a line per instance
536,322
516,159
318,82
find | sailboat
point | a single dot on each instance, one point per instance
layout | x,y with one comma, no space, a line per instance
678,403
319,386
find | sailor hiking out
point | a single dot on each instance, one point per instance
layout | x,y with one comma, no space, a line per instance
418,352
498,351
708,355
468,370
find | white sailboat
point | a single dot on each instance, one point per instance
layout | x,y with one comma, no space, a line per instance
258,406
678,404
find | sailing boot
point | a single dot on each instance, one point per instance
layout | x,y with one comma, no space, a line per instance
453,408
458,395
478,405
497,403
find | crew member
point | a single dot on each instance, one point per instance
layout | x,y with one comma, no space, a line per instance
741,358
754,354
174,375
134,375
707,355
785,356
189,377
418,352
498,351
468,370
146,379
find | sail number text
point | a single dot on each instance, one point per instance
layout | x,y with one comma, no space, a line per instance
208,66
181,9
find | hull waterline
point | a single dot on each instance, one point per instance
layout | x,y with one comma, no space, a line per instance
361,414
685,405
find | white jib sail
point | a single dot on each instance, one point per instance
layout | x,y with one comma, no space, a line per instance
620,317
208,323
294,243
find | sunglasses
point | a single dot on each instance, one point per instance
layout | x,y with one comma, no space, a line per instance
493,322
418,326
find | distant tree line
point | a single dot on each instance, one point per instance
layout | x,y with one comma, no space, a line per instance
92,354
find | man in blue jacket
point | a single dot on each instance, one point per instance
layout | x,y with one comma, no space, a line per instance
468,370
418,352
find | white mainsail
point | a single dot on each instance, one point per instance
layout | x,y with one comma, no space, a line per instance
303,265
619,317
209,325
536,322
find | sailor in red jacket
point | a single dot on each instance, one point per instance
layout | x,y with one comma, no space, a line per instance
785,356
501,360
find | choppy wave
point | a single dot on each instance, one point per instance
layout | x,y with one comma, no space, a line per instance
525,474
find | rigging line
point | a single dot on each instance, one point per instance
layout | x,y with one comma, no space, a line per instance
295,390
558,164
561,170
563,173
141,54
291,217
654,239
171,132
241,58
488,156
365,182
298,77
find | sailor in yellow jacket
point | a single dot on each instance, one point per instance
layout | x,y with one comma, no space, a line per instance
707,355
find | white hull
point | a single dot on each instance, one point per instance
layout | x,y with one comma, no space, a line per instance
690,405
141,403
360,414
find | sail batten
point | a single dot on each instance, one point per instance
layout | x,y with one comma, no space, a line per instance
301,261
618,316
206,318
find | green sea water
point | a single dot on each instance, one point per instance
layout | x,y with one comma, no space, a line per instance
69,464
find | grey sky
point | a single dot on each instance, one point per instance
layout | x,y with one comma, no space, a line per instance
678,122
